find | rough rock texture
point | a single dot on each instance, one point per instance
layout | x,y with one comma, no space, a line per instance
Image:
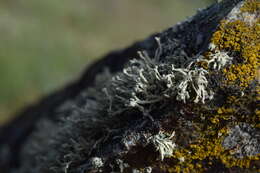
188,103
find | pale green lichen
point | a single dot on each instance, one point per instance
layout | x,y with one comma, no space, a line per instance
203,98
234,51
216,59
148,81
163,143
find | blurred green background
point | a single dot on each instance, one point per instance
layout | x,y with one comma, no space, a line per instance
46,43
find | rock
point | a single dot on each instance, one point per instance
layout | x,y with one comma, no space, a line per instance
243,140
188,101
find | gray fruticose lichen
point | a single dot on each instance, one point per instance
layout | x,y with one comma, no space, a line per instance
147,81
145,85
163,144
141,86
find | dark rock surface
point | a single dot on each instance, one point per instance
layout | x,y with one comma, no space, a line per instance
183,100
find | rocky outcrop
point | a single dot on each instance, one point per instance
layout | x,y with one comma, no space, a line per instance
187,101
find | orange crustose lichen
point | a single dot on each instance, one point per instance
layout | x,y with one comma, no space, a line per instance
244,43
251,6
199,156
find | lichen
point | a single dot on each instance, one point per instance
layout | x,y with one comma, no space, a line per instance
243,140
209,147
163,144
243,41
234,50
210,100
148,81
232,56
207,151
252,6
218,60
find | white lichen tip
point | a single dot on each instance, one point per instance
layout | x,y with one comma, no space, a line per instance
197,80
148,169
96,162
237,14
218,60
212,46
182,159
163,143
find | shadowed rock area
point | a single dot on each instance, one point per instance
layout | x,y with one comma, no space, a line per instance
183,100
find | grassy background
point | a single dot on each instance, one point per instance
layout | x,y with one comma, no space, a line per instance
46,43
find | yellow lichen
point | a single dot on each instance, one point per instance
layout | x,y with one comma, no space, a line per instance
251,6
229,35
246,107
200,156
222,114
203,64
257,113
243,41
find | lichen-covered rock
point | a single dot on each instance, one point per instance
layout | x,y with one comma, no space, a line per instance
243,140
190,105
